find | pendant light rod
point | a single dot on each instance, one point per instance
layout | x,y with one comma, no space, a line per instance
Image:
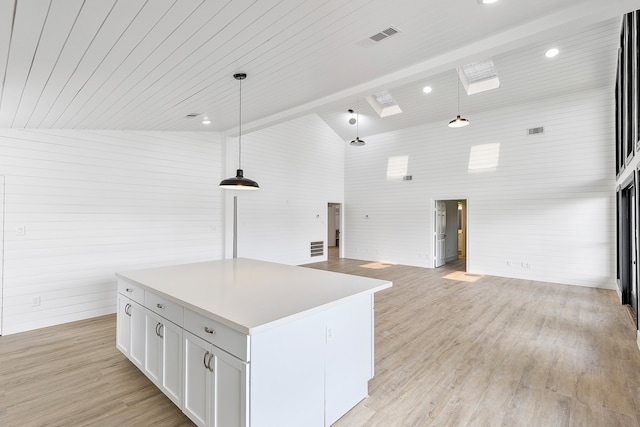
239,182
240,77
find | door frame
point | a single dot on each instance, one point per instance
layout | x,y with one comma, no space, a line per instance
340,207
627,227
2,220
468,234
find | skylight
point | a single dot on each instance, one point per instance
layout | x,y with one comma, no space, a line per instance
479,76
384,104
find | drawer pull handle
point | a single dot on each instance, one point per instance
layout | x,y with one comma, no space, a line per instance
209,330
160,305
129,289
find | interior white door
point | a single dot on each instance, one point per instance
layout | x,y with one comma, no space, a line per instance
1,248
331,225
440,228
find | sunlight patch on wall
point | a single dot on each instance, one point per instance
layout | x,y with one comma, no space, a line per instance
397,168
484,158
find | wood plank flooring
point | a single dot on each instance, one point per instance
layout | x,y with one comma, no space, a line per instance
494,352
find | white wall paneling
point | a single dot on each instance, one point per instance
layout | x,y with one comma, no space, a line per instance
299,166
95,202
544,211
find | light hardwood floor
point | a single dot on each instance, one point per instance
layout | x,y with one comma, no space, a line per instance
494,352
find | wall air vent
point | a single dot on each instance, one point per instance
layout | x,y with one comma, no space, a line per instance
317,248
535,131
378,37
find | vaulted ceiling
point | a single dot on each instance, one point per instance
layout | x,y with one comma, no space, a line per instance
147,64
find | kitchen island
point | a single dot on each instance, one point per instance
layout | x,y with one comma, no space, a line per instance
243,342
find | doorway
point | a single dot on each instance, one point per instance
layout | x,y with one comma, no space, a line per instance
450,233
627,247
334,229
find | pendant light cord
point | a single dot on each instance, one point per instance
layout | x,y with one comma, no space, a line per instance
458,89
240,130
357,118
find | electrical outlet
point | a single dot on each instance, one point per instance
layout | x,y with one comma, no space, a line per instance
35,301
21,230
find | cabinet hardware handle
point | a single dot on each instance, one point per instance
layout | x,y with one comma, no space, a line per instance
159,328
129,289
160,305
127,309
209,330
209,363
205,360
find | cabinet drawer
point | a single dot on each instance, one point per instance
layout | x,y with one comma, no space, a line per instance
131,291
165,308
216,333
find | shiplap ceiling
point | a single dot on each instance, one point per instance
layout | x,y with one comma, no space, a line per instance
146,64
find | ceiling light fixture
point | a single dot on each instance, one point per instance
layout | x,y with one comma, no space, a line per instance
551,53
206,121
427,89
239,182
458,122
352,119
487,1
357,142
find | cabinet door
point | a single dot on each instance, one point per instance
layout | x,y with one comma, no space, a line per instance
197,379
230,392
163,355
153,348
172,366
138,334
123,326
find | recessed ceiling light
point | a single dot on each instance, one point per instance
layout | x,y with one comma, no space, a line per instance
427,89
206,121
551,53
487,1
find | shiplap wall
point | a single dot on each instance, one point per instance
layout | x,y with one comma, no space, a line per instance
299,166
96,202
549,203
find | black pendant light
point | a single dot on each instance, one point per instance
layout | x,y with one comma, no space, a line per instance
458,122
239,182
357,142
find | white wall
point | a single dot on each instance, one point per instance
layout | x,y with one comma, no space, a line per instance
549,203
299,166
96,202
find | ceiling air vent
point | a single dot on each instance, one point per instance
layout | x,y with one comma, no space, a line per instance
535,131
192,115
378,37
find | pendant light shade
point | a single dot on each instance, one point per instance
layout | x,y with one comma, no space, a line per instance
357,142
239,182
458,122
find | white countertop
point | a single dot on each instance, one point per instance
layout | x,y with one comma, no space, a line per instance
252,296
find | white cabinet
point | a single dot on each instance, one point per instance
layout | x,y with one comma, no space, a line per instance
163,355
215,385
256,344
131,330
